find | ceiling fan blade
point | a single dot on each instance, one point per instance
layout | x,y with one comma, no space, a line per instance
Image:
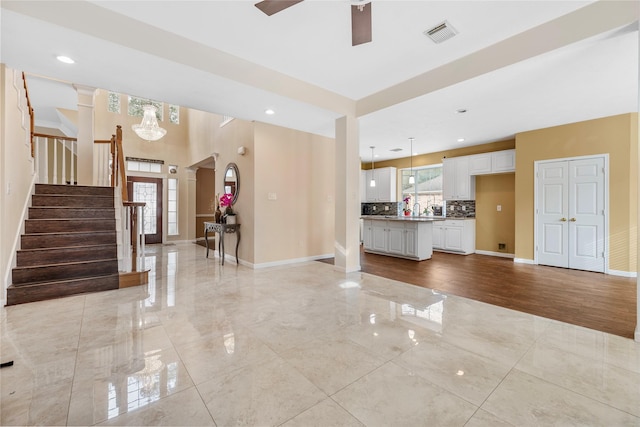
274,6
360,24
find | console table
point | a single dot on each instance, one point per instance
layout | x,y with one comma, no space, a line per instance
221,229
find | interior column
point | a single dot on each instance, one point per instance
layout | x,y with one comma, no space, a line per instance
347,205
86,100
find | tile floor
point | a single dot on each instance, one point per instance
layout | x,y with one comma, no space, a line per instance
302,345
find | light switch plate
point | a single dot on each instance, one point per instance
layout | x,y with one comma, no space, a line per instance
499,208
272,196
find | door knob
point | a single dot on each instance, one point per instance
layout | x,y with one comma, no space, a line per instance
563,219
572,220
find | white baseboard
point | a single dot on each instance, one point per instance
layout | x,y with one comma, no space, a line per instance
524,261
498,254
622,273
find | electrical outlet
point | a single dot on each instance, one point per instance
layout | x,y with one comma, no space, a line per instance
499,208
374,208
272,196
386,208
502,246
451,208
464,208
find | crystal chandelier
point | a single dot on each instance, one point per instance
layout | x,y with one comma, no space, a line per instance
149,129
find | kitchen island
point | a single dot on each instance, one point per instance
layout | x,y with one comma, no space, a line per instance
409,237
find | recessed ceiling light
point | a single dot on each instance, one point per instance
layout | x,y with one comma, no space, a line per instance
65,59
460,139
461,111
269,111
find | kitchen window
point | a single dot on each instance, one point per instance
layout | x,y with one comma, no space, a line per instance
427,189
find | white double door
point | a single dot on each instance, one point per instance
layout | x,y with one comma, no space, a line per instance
571,214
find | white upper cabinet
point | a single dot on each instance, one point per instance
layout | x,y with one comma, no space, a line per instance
457,184
480,164
495,162
385,189
503,161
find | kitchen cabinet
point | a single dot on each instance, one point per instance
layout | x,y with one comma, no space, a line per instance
503,161
494,162
385,189
455,235
457,183
398,237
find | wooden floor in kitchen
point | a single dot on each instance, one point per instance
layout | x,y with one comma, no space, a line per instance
593,300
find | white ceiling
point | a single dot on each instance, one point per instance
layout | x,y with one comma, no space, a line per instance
227,57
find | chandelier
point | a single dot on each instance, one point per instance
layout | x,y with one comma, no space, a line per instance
149,129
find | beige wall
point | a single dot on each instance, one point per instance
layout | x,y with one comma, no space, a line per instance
172,148
616,136
16,168
299,169
493,226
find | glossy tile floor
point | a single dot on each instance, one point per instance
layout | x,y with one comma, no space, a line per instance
303,345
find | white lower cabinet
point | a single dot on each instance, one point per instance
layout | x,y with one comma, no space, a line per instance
455,235
404,239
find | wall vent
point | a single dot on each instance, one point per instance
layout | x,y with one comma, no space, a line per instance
441,32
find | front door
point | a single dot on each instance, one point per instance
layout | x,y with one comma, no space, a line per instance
570,215
148,190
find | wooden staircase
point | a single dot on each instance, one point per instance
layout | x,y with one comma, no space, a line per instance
69,245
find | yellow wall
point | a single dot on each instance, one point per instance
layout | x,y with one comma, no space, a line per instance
493,227
436,158
617,136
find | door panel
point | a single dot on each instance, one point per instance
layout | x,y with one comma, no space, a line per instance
552,230
586,214
148,190
571,222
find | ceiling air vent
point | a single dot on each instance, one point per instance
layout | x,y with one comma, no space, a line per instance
395,150
441,32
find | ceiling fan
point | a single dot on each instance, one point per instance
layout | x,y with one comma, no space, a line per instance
360,16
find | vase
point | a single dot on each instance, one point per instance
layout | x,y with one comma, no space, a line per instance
231,219
218,215
407,213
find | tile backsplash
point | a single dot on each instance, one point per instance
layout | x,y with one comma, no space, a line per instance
458,212
391,208
395,208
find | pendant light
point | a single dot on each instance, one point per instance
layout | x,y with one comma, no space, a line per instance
412,179
149,129
372,183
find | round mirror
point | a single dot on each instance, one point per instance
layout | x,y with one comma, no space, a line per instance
232,181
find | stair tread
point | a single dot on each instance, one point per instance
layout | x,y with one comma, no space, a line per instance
70,232
68,247
75,279
65,263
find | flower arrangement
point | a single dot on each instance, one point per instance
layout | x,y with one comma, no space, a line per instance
226,200
406,208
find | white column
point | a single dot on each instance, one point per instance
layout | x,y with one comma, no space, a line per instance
347,206
637,332
86,98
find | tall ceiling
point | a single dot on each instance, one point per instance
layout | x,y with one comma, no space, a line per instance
513,66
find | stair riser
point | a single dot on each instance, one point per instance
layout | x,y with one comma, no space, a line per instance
45,291
72,201
32,258
62,213
48,273
63,225
67,239
74,190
